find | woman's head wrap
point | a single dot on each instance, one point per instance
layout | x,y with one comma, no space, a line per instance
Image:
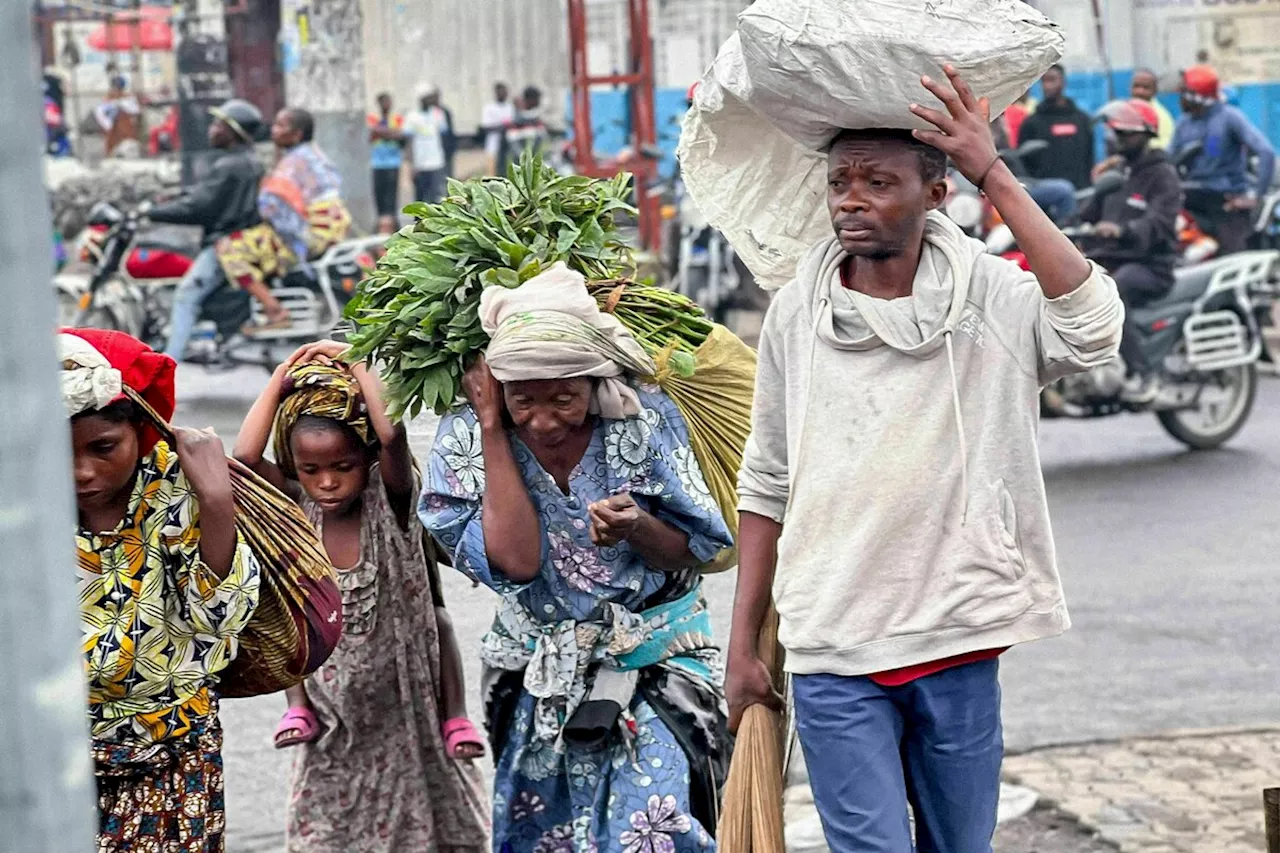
97,365
550,327
320,391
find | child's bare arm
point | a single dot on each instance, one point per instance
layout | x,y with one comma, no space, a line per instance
395,460
255,432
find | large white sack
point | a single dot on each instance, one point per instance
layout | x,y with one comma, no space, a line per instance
819,64
765,188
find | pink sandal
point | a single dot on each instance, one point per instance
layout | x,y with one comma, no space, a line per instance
459,732
300,720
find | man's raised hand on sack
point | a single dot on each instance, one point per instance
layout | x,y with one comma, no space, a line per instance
964,131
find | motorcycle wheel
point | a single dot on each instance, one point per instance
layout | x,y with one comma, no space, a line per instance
1216,422
98,317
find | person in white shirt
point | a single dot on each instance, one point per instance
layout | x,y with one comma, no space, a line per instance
431,145
494,120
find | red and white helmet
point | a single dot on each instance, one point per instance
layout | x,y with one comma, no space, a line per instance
1133,116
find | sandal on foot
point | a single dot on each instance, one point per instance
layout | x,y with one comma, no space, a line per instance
460,732
298,725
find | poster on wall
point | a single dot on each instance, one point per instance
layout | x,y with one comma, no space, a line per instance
1238,37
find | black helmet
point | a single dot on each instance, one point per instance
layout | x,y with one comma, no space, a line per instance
242,117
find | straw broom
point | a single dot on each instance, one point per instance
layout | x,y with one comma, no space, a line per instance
751,818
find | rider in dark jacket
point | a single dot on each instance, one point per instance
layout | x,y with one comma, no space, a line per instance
1137,229
225,202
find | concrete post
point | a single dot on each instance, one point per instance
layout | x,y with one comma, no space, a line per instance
46,785
323,50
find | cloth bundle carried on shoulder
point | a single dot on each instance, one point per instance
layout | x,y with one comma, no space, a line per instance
797,72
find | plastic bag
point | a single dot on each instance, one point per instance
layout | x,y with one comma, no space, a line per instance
820,65
798,71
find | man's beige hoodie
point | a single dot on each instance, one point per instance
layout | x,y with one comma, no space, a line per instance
896,441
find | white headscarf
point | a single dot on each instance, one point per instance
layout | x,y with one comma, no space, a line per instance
551,328
89,382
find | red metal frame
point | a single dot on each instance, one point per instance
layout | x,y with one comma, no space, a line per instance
639,80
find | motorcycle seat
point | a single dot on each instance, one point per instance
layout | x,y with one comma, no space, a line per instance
160,244
1189,284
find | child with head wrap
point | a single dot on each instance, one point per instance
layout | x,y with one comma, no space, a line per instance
386,743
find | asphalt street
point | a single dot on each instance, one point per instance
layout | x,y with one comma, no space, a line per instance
1171,562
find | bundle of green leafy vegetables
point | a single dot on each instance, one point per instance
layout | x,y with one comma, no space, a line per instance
417,313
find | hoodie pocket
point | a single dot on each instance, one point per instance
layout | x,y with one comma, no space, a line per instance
1006,518
989,570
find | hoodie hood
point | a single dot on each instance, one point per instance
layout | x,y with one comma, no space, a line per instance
845,319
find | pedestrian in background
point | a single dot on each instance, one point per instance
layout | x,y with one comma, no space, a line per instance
494,121
386,139
1066,128
432,144
385,764
1225,196
166,586
1145,87
527,131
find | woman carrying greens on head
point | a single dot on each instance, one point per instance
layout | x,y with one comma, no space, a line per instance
570,489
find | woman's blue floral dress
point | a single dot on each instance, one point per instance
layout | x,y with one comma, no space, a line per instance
591,609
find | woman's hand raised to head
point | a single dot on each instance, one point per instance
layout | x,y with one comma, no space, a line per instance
964,131
485,394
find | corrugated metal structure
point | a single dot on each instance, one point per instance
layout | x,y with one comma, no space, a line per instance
465,46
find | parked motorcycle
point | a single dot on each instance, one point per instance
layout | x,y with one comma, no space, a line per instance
119,295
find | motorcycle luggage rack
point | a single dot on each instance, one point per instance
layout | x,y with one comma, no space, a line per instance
305,313
1217,340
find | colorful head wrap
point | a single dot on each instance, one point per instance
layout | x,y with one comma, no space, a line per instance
321,391
97,365
550,327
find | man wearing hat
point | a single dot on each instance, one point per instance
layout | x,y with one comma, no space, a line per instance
432,144
1224,197
224,203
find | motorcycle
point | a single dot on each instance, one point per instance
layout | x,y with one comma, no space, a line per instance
706,268
127,292
1205,338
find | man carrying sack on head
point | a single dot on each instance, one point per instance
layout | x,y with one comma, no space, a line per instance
897,389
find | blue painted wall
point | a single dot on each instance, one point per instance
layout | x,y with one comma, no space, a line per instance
609,114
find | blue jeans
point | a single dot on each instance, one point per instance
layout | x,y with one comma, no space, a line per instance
935,744
204,277
1056,197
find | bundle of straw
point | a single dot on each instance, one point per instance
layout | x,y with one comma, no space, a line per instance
716,405
751,815
706,370
298,621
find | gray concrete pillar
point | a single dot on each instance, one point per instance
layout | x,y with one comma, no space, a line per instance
323,50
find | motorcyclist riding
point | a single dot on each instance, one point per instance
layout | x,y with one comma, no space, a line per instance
223,204
1225,196
1136,229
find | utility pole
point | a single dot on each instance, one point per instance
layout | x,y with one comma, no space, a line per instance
46,785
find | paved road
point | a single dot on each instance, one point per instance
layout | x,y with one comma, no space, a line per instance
1170,562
